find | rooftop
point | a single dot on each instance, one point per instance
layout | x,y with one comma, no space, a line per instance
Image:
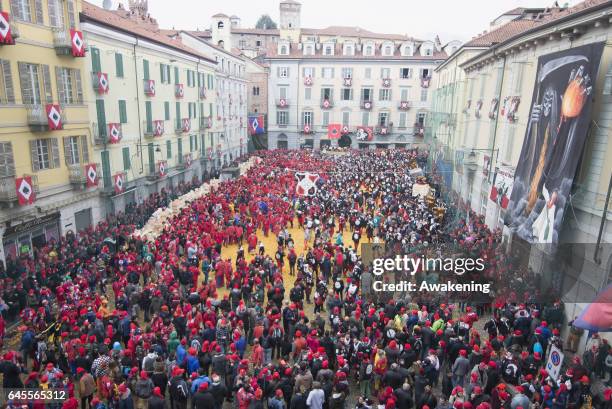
354,31
295,52
125,21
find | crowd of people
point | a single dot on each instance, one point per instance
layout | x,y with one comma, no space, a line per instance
173,321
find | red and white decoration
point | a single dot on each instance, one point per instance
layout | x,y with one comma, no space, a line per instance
308,81
210,153
364,133
179,91
348,82
307,183
209,122
25,190
91,175
367,105
307,128
425,82
150,88
162,168
158,129
186,124
386,82
54,116
345,130
384,130
119,182
114,133
6,35
404,105
326,103
102,83
78,45
282,102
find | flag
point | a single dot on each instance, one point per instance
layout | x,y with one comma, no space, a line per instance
364,133
333,131
256,125
119,181
597,316
307,183
78,45
102,83
92,175
6,36
25,190
54,116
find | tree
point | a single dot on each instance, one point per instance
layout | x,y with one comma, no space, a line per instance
265,22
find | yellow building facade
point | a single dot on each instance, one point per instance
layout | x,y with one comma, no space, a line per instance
44,125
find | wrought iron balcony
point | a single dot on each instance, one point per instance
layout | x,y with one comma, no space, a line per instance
8,189
38,119
62,41
366,104
100,133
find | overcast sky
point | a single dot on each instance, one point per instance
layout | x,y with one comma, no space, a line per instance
450,19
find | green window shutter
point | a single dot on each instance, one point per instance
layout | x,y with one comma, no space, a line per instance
101,115
95,59
161,73
178,115
149,114
151,149
126,158
145,69
176,75
122,111
168,150
190,143
195,142
106,169
180,150
119,65
167,111
202,143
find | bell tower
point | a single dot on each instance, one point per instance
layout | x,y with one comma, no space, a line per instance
290,20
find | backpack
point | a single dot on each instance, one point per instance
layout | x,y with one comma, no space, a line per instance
179,390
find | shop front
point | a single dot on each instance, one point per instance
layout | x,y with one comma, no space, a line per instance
22,238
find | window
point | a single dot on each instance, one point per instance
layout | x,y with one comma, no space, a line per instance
388,50
346,94
56,13
220,24
425,73
168,149
309,49
326,93
69,89
7,161
328,50
421,118
167,111
7,92
71,150
283,50
325,118
327,73
27,10
347,73
404,94
405,73
258,43
119,65
242,44
145,69
256,91
309,72
123,111
368,73
402,120
368,50
385,73
283,72
349,49
164,73
346,118
365,118
308,93
282,118
177,74
307,118
384,94
282,92
424,95
34,80
383,118
44,154
406,50
366,94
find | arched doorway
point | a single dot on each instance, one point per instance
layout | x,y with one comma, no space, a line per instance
281,142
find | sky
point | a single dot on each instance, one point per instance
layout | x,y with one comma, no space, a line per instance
423,19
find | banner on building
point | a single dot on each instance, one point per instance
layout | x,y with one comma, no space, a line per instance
256,125
91,173
333,131
364,133
554,140
78,45
502,186
25,190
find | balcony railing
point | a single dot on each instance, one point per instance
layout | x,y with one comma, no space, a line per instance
100,133
148,128
62,41
327,103
38,119
77,176
282,103
8,189
205,122
366,104
418,130
404,105
384,130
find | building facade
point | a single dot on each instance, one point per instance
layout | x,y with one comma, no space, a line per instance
44,125
229,132
480,127
376,86
151,102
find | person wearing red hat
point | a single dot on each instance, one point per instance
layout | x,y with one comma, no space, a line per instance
179,391
460,369
143,388
203,399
